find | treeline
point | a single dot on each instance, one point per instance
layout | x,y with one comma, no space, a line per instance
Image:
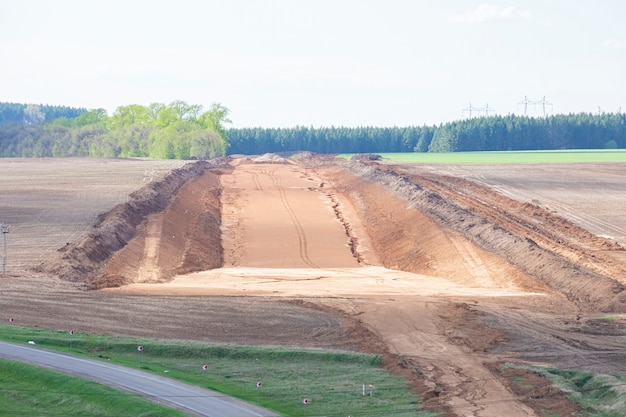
496,133
35,113
182,131
163,131
573,131
328,139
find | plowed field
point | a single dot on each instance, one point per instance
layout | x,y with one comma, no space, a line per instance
445,271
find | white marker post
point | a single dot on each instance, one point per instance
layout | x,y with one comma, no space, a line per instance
305,402
11,320
258,388
71,336
139,351
205,368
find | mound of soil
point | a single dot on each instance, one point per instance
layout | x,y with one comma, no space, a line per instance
86,260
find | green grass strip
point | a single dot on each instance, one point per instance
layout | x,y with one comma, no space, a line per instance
600,395
512,157
332,381
30,391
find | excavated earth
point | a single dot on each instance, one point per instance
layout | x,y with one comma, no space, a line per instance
441,273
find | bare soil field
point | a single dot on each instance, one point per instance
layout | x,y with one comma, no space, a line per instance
50,202
445,271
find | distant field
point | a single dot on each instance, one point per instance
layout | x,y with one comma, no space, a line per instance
512,157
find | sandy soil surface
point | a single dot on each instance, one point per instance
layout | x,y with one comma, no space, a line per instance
438,269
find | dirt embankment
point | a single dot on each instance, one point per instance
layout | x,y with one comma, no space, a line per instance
589,290
96,260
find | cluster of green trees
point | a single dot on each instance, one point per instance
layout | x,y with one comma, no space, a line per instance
495,133
164,131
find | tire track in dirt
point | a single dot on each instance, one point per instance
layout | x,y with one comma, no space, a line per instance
273,215
257,182
302,240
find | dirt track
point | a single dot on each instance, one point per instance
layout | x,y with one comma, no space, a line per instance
442,276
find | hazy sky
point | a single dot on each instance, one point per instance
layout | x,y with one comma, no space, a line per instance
282,63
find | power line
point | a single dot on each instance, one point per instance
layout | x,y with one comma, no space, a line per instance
477,110
543,103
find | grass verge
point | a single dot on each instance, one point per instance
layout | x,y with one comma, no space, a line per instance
333,382
30,391
598,395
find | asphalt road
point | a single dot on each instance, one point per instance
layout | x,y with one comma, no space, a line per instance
190,399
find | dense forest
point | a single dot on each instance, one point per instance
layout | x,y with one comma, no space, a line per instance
174,131
182,131
494,133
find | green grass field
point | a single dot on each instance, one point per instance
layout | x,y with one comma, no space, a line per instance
513,157
333,381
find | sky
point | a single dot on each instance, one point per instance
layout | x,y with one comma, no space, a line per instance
320,63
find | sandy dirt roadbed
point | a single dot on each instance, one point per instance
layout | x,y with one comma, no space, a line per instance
311,283
439,271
